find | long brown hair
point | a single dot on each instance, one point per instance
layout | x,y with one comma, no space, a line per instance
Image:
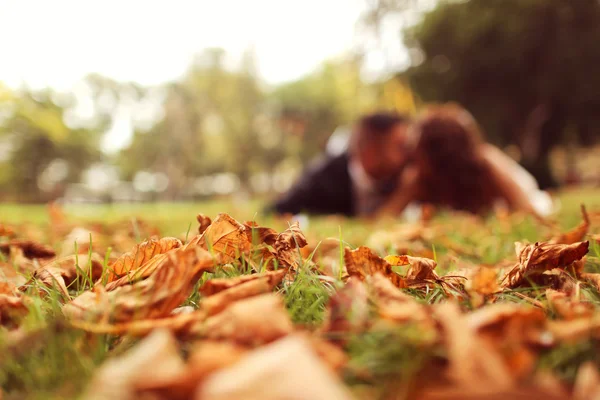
452,170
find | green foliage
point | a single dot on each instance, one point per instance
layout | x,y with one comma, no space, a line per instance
524,68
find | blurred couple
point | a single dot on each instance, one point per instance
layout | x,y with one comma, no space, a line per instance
392,164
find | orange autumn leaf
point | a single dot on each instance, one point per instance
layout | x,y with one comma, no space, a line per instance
216,303
363,263
206,357
577,234
420,268
397,306
213,286
139,255
12,308
63,272
225,236
536,258
253,321
154,297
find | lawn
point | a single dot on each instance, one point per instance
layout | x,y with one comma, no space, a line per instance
399,342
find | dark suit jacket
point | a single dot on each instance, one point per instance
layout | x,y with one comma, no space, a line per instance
324,188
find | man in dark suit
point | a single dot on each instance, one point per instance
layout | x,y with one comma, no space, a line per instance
357,181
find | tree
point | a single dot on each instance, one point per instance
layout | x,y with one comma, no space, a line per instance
44,152
525,68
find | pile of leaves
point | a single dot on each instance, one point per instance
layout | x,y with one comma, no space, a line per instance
242,311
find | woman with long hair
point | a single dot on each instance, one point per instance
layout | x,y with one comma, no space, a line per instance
453,167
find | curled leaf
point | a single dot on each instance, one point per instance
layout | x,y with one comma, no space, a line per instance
154,297
203,223
577,234
141,254
363,263
225,236
536,258
420,268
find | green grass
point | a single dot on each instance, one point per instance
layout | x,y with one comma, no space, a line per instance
53,360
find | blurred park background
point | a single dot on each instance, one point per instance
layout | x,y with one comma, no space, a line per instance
132,101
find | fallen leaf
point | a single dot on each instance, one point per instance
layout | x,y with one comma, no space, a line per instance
473,363
260,234
577,234
421,269
30,248
139,255
154,297
213,286
224,236
587,382
257,320
287,245
203,223
63,272
154,358
362,263
216,303
568,306
536,258
347,311
12,308
287,369
6,231
394,305
10,278
205,358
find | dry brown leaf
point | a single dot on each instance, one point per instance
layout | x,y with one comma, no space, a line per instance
474,364
257,320
203,223
332,355
577,234
63,272
260,234
6,231
213,286
31,249
287,369
10,278
139,255
536,258
347,311
154,358
363,263
587,383
225,236
178,323
421,269
394,305
12,308
206,357
154,297
568,306
287,245
215,304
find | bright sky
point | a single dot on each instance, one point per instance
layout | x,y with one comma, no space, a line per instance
56,43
